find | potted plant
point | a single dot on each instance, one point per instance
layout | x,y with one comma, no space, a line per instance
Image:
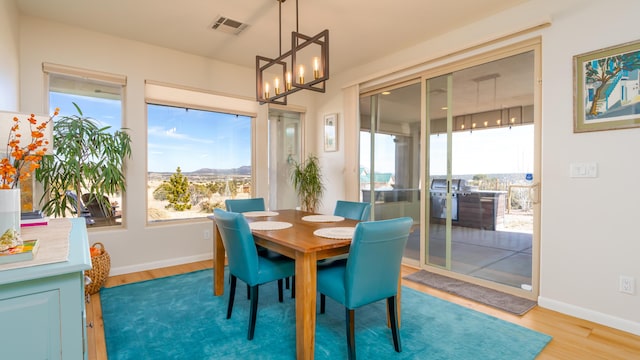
307,180
87,158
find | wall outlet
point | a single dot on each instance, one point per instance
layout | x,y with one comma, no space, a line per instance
627,284
206,234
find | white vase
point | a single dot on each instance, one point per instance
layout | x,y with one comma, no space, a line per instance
9,210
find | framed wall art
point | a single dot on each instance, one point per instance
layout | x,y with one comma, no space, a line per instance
331,132
607,88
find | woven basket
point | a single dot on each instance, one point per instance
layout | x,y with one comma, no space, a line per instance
101,264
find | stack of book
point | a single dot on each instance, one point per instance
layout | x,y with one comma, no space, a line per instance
33,218
24,252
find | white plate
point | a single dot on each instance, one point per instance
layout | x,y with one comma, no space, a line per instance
335,232
259,213
269,225
322,218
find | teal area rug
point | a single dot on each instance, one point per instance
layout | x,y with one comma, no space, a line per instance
179,318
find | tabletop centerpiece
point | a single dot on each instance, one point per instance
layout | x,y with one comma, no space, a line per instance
19,161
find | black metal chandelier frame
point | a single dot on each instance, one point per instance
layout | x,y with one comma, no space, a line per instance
292,83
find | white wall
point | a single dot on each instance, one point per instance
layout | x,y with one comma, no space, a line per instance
9,68
588,225
138,246
589,234
589,229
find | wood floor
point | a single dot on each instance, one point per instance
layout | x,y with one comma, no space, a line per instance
572,338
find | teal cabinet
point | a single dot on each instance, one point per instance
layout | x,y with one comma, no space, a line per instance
42,307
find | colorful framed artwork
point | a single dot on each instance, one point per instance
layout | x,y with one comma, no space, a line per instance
607,88
331,132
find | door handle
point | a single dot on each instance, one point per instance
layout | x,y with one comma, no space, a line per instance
534,193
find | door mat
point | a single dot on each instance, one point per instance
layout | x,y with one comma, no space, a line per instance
497,299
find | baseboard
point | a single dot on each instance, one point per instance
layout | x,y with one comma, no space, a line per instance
159,264
590,315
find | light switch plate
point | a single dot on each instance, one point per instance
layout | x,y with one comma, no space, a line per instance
583,170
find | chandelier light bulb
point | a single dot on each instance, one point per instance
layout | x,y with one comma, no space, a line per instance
276,86
288,82
266,90
301,74
316,68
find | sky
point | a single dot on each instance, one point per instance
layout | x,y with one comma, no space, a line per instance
190,139
196,139
492,151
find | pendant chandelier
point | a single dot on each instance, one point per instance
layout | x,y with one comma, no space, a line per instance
286,74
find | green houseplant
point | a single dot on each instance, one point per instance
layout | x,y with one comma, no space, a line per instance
86,158
307,180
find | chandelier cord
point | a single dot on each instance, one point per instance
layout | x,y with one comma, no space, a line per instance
280,24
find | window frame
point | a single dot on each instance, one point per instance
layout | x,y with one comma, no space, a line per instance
89,76
158,93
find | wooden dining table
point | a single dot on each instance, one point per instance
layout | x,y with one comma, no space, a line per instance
299,243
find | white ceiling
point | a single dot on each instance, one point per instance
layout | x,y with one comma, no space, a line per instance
360,30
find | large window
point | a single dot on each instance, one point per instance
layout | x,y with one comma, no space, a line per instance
196,159
99,97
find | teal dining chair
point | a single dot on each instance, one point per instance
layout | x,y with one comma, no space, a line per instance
352,210
245,205
370,274
254,204
246,265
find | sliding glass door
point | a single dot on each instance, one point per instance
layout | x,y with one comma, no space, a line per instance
456,151
481,171
390,156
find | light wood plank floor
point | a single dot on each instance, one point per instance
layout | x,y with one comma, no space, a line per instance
572,338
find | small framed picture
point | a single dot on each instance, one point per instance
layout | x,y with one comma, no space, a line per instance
607,88
331,132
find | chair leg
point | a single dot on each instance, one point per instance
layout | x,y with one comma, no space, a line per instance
323,299
293,287
253,311
280,290
248,292
232,295
286,283
351,338
392,308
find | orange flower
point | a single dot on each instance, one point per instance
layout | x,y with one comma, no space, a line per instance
11,167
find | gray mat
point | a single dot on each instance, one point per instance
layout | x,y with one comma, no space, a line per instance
499,300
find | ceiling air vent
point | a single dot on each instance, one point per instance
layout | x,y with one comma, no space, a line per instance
229,26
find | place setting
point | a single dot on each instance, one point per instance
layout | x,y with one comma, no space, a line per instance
338,233
262,213
269,225
322,218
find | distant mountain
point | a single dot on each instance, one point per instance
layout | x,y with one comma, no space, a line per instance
243,170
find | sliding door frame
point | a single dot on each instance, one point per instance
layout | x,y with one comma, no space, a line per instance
473,59
534,45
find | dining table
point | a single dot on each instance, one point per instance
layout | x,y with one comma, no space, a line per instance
296,241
